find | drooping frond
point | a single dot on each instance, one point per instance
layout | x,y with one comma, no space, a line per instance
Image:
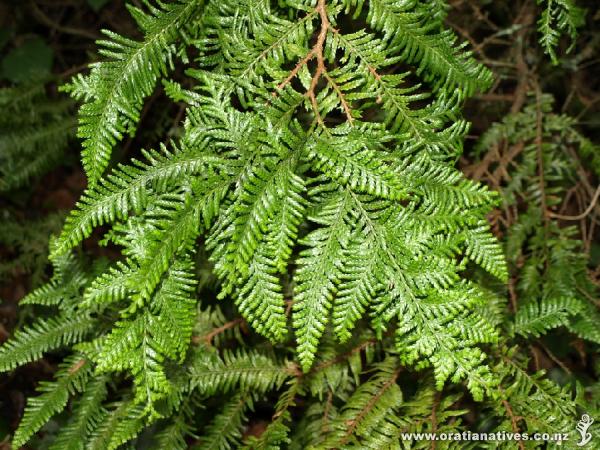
71,378
367,409
87,416
174,434
558,16
440,58
277,432
446,337
536,318
534,398
247,371
126,189
32,341
318,275
225,430
141,343
35,131
115,90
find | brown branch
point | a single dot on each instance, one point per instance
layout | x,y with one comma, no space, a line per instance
513,421
343,356
295,70
584,214
342,97
207,339
317,52
45,20
77,366
554,358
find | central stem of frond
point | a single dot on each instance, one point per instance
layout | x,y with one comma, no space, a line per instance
317,52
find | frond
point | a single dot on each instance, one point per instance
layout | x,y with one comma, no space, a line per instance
586,323
34,133
367,409
539,401
64,289
173,436
115,90
110,287
244,370
119,417
225,430
127,188
127,424
54,395
558,16
436,53
484,249
175,220
318,276
142,343
135,345
358,286
88,414
441,330
277,432
31,342
537,318
351,158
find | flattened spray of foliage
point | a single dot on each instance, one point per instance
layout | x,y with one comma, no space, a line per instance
315,175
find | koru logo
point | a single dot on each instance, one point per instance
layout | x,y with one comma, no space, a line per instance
582,426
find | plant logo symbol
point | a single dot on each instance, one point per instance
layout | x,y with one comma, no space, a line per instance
582,426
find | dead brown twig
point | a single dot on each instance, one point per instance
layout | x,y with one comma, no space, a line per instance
584,214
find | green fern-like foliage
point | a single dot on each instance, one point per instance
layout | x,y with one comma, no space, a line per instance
250,186
27,243
35,131
553,282
558,17
314,175
115,90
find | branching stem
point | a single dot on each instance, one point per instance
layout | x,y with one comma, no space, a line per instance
317,52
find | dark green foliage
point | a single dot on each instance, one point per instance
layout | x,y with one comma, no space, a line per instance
34,133
28,241
553,281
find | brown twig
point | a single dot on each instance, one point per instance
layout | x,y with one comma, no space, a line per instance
584,214
77,366
341,96
317,52
513,421
207,338
45,20
554,358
